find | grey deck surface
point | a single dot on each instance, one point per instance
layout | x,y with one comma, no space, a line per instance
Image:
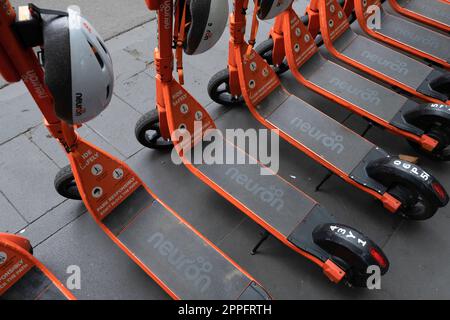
64,234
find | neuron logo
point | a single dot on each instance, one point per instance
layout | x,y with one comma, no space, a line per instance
166,8
427,41
366,94
268,194
399,67
331,141
196,270
32,78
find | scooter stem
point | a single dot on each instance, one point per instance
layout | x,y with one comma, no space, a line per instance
314,6
70,136
238,21
164,54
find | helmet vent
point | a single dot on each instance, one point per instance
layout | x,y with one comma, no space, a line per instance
102,45
97,55
108,91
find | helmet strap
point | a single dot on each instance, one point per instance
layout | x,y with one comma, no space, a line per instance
180,36
29,24
39,11
254,27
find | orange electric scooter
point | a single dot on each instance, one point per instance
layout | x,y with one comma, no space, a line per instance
177,257
292,46
390,66
281,209
434,13
403,34
401,186
23,277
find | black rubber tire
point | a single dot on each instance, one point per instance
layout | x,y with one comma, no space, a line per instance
439,132
264,49
219,90
65,184
440,154
150,122
415,206
351,257
418,196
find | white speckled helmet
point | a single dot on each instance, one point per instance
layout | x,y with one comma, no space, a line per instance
208,20
78,67
269,9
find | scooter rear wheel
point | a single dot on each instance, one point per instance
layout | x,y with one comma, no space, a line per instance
441,133
415,206
352,251
219,90
265,50
148,132
65,184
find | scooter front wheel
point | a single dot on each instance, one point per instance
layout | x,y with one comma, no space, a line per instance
65,184
148,132
219,90
354,252
265,50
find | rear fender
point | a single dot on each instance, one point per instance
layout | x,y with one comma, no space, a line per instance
389,171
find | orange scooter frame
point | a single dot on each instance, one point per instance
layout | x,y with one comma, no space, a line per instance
133,217
289,38
23,277
320,137
311,17
388,65
403,34
431,12
295,219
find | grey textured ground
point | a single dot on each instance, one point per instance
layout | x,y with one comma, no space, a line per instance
64,234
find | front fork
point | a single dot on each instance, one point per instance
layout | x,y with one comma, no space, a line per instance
276,33
235,88
160,105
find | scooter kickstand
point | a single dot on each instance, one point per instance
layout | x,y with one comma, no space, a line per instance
369,126
264,236
325,179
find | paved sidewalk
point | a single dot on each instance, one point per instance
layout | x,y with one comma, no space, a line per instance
65,235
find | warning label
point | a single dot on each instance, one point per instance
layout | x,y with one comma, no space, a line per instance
104,181
12,269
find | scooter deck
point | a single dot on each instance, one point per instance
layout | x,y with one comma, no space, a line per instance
322,135
414,35
432,9
176,256
384,60
35,285
186,264
269,200
22,276
353,88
